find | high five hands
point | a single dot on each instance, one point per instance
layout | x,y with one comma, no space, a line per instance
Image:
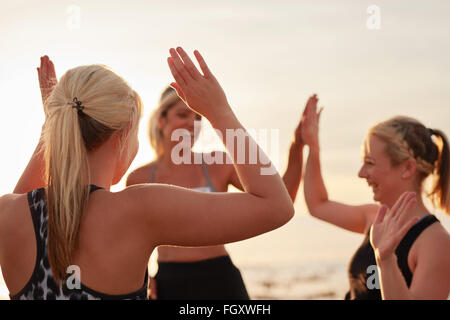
308,129
389,228
47,78
201,92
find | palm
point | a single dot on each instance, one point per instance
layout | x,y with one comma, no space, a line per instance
47,77
388,230
310,122
201,92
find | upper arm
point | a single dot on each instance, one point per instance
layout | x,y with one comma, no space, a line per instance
5,208
183,217
2,212
355,218
431,279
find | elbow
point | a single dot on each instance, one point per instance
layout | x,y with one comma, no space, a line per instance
290,212
285,213
314,205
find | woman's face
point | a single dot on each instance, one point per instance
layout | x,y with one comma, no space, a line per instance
384,179
179,116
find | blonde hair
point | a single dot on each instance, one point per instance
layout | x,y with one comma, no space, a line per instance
407,138
167,100
110,107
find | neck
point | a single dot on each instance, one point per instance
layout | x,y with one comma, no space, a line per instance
419,209
102,166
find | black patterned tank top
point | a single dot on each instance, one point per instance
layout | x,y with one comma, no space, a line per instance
42,285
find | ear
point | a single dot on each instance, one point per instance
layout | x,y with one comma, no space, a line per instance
409,168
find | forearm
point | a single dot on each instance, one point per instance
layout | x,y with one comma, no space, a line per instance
314,186
392,282
33,176
293,174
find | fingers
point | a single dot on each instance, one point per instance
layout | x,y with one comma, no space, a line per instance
178,90
397,204
402,204
205,69
402,214
319,113
311,106
176,75
179,65
381,213
192,69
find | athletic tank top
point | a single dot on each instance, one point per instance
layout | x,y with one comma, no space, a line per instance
365,257
208,188
42,285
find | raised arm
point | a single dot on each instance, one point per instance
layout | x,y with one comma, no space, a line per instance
33,175
293,174
179,216
352,218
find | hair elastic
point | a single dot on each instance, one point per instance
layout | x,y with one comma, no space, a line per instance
77,104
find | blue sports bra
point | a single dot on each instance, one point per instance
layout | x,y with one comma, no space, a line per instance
208,188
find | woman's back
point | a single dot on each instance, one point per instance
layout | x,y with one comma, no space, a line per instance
90,137
109,256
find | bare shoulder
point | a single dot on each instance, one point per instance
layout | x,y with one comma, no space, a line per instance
140,175
435,242
370,212
10,206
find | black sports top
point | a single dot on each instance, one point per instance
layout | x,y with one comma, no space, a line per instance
42,285
365,257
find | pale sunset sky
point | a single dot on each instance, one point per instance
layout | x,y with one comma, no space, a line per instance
269,56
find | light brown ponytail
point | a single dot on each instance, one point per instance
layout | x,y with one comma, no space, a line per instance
441,190
109,106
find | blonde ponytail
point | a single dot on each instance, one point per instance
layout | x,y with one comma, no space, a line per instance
109,106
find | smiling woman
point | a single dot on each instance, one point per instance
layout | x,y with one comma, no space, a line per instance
89,140
398,155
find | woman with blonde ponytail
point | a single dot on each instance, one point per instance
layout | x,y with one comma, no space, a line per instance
81,244
206,272
404,254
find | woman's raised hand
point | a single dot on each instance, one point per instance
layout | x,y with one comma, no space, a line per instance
47,77
201,92
388,230
310,122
